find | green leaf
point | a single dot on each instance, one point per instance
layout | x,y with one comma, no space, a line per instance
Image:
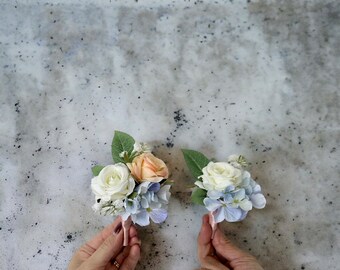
121,142
195,161
198,195
96,169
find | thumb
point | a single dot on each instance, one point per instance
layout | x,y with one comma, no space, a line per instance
109,249
225,248
205,248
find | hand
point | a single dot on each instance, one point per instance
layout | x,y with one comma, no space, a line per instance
219,253
106,249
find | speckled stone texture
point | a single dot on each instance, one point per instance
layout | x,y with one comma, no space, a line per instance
259,78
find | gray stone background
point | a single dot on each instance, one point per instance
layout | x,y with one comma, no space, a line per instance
258,78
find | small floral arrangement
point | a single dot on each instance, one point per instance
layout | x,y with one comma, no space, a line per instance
135,187
226,189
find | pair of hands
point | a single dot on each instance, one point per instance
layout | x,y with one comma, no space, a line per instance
106,249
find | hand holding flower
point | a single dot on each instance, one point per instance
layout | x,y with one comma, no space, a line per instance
106,250
226,189
133,188
218,253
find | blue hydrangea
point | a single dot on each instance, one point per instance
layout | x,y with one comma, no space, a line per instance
233,203
149,200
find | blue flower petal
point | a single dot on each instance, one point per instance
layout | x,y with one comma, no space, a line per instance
144,202
229,188
153,197
158,215
211,204
219,214
155,205
214,194
228,198
243,216
164,194
132,206
142,188
232,214
142,218
257,188
125,216
248,189
154,187
246,175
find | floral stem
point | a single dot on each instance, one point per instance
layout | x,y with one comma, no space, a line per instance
126,226
212,223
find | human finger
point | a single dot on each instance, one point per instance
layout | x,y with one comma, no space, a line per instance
109,249
99,239
132,259
133,231
205,249
204,239
126,250
122,255
135,241
225,248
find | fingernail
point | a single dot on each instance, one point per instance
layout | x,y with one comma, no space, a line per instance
118,228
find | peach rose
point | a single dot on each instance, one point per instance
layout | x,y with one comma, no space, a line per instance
146,167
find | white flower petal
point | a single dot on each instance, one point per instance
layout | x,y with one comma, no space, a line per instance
233,158
258,200
246,205
199,184
240,194
220,175
113,182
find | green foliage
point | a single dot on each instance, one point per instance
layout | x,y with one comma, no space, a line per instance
195,161
198,195
121,142
96,169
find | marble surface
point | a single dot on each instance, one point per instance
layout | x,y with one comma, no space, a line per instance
259,78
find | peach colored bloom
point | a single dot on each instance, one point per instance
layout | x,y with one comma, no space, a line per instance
146,167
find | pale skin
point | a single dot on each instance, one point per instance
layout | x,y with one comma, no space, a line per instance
219,253
105,248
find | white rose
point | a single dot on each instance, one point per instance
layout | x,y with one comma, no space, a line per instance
113,182
219,175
